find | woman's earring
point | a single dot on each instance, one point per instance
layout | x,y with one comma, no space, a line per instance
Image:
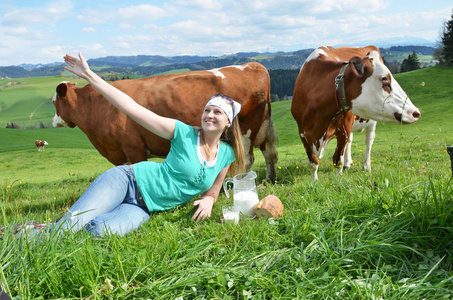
228,125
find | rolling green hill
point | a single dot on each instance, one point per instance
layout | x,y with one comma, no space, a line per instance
30,101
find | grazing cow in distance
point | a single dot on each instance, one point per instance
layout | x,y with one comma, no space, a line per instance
180,96
40,145
337,85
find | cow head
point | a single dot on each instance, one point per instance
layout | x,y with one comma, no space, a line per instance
62,105
380,97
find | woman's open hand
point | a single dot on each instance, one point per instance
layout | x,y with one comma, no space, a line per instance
77,66
204,208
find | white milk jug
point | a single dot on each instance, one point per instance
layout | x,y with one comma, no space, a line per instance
245,196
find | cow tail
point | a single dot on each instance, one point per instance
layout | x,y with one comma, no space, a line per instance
272,137
269,150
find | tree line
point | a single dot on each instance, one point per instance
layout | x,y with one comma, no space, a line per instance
282,83
410,63
444,50
423,50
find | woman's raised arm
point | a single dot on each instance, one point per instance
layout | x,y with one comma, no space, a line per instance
161,126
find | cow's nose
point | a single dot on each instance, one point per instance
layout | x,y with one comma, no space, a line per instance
416,115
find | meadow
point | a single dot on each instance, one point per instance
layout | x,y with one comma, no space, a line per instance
380,235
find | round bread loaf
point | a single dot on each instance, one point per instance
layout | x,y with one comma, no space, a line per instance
269,206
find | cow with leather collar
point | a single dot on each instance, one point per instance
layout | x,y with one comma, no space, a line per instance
370,93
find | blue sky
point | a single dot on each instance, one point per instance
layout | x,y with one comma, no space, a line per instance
43,31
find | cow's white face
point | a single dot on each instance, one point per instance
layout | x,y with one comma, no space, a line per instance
382,98
57,121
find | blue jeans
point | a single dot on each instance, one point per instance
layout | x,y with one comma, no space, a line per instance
109,205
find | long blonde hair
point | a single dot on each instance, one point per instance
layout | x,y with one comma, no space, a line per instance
233,136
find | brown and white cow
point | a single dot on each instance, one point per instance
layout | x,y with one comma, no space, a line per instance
181,96
40,144
369,92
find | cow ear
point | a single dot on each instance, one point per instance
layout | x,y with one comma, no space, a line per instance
357,66
62,89
368,65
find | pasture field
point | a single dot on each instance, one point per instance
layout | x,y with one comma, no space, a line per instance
380,235
29,101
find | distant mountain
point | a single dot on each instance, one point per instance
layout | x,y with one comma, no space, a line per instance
401,41
148,65
31,66
146,60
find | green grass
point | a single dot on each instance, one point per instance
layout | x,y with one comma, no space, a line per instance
29,102
380,235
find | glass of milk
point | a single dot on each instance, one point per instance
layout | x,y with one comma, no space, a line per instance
230,214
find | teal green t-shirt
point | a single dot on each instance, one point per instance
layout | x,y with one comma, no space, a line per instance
182,175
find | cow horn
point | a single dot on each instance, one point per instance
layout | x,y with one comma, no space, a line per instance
373,55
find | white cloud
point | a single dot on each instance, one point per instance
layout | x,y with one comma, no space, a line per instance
135,38
201,4
55,52
347,6
127,27
89,29
48,14
19,31
94,17
94,50
123,45
143,12
26,34
150,26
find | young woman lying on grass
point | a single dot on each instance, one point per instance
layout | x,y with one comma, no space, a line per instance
122,198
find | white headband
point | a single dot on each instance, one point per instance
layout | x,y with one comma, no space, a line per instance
221,101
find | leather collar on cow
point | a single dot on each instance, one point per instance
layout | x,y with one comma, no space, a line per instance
340,94
339,91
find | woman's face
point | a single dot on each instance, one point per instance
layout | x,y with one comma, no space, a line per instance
214,119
